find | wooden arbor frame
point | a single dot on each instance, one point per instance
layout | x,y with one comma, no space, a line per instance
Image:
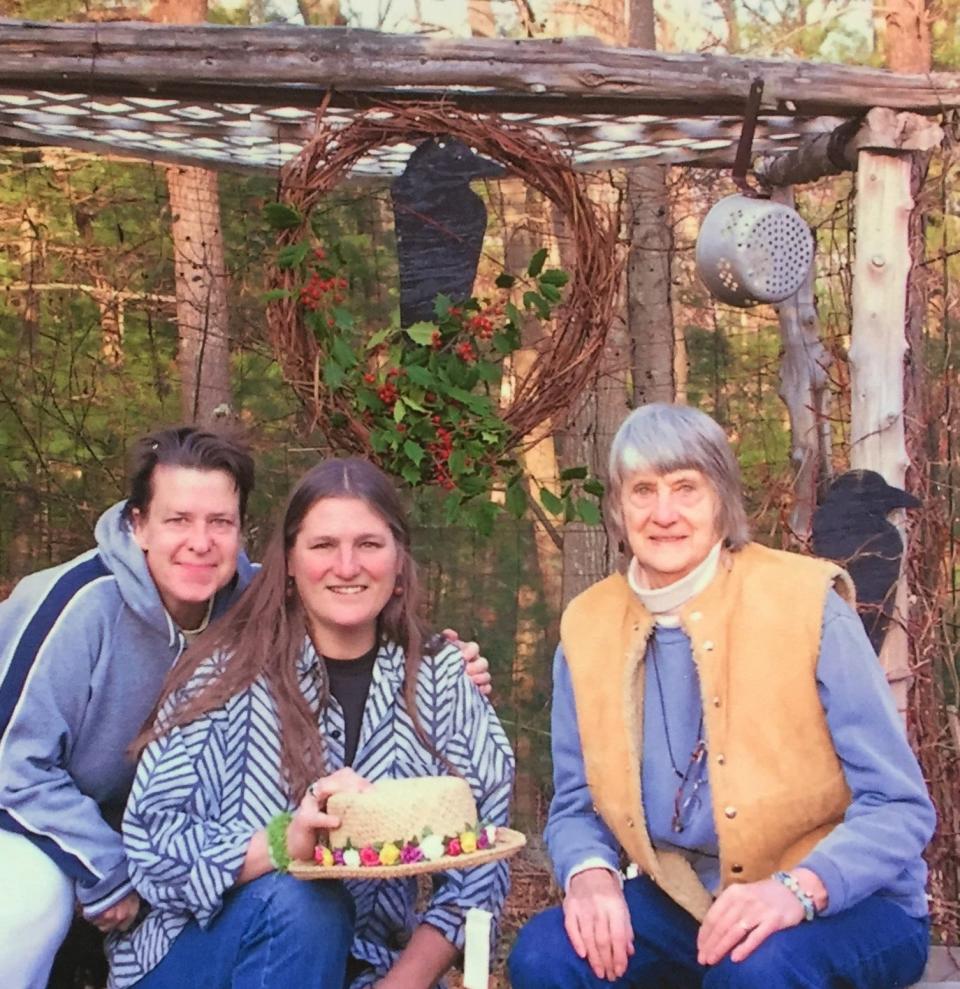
198,95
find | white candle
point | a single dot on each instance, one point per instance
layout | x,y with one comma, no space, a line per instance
476,952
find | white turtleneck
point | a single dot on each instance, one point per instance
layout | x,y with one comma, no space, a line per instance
664,602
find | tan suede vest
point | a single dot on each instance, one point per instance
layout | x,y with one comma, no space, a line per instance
776,782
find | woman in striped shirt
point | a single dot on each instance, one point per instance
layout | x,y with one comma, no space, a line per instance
319,683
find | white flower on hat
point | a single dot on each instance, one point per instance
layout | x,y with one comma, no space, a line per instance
432,847
351,858
490,830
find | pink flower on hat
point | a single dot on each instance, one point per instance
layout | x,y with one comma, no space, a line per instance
323,856
411,853
369,856
453,846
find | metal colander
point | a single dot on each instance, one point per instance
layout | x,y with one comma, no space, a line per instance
752,250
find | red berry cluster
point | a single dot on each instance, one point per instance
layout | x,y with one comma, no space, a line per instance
466,352
441,451
482,325
388,391
317,291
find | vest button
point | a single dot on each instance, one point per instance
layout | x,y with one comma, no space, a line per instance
730,812
736,869
708,646
721,759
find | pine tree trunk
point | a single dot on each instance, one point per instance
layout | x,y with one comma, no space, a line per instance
201,290
200,269
650,232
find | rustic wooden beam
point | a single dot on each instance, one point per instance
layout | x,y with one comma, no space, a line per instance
831,154
154,58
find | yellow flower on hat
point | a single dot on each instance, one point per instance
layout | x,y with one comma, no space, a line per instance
389,854
323,856
468,842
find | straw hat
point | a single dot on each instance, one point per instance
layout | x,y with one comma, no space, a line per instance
401,828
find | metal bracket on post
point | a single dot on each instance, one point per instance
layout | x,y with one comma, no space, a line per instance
745,146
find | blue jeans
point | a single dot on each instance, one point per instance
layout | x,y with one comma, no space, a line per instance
873,945
272,932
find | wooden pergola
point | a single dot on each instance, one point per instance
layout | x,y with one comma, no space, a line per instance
244,98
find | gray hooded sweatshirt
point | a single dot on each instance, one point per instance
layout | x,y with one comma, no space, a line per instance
84,649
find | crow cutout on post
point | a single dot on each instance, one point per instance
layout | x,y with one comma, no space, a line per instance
440,222
851,528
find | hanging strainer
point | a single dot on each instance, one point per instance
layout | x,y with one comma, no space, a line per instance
752,250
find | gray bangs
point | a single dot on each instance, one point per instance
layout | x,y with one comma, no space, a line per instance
662,438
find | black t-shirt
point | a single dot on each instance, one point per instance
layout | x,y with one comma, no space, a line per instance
350,683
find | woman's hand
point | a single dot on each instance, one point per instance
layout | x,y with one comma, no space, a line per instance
118,917
478,669
311,815
597,921
746,914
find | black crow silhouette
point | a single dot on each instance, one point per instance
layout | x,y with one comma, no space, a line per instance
851,528
440,222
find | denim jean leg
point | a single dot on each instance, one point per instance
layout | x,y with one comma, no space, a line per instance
274,931
873,945
664,948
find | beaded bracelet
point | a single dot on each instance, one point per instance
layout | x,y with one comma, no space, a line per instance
806,900
277,841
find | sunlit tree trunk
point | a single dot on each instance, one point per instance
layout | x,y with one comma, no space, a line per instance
200,269
650,233
638,362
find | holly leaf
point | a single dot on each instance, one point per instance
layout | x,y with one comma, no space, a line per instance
573,474
504,280
414,451
550,292
551,502
399,410
588,511
516,500
276,293
457,462
487,372
420,376
421,333
533,300
594,486
410,474
280,216
333,374
343,352
293,255
343,318
536,263
554,276
377,338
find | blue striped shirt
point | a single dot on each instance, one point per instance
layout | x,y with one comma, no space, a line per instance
204,789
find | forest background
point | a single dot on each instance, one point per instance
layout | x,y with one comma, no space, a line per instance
110,326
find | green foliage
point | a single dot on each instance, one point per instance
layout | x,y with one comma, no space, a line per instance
427,396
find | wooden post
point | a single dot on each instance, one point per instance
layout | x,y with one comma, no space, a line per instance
878,339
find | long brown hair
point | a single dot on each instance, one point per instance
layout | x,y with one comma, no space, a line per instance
263,634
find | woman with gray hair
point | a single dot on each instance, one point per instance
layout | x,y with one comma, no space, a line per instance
721,723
